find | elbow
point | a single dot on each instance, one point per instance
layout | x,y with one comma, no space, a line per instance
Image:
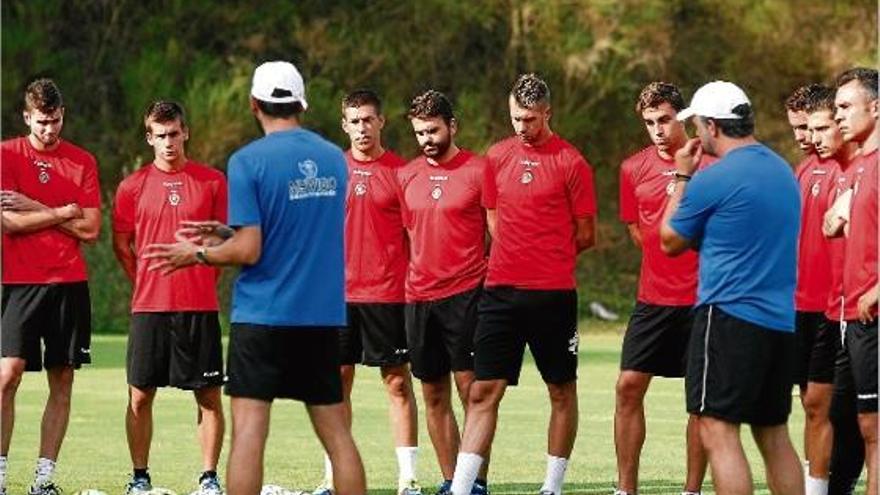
90,237
586,242
251,257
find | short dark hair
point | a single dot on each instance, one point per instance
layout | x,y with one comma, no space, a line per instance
797,100
430,104
43,95
820,98
866,77
530,90
736,128
280,110
361,97
162,111
658,92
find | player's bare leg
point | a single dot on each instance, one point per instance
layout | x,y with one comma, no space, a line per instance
250,427
211,426
784,473
441,422
57,413
629,426
139,424
11,371
348,469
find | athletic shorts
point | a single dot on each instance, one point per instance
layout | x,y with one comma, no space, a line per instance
274,362
178,349
861,346
737,371
656,340
510,318
843,400
817,343
375,335
58,314
440,334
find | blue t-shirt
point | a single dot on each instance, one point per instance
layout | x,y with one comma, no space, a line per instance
292,185
744,214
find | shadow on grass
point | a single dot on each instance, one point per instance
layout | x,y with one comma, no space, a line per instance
599,487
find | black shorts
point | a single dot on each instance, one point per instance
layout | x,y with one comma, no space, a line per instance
843,400
440,334
656,339
59,314
375,335
510,318
272,362
861,346
817,343
738,371
181,349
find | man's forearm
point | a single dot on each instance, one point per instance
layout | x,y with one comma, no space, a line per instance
25,222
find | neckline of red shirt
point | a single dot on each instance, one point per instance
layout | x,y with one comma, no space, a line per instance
456,161
378,159
551,145
172,172
52,152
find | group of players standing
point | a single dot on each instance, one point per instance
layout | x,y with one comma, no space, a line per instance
413,291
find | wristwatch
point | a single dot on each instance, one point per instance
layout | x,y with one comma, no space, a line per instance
202,255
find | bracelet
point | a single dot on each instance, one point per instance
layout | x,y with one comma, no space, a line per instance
682,177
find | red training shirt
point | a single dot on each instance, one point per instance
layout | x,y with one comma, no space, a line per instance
860,265
375,238
67,174
646,183
817,179
446,225
842,179
537,193
151,204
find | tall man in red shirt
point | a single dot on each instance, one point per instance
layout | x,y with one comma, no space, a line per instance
375,274
442,191
659,329
857,112
541,211
817,335
51,203
175,333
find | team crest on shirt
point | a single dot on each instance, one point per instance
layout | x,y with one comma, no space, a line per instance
173,191
436,192
173,198
527,177
670,188
360,189
817,186
44,167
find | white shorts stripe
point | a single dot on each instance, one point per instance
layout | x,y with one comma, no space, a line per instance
706,359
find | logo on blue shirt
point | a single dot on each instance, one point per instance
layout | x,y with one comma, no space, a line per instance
311,186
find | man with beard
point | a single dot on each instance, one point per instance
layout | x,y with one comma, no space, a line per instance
442,191
742,213
175,331
375,274
51,204
657,335
541,210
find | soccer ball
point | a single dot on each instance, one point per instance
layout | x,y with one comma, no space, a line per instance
90,491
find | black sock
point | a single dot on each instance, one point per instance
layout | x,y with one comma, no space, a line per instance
142,473
207,474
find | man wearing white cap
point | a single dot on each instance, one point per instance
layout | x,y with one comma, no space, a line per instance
742,214
287,208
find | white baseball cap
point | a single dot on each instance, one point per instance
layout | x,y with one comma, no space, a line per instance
279,82
716,100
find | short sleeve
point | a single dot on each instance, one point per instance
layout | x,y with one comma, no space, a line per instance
581,191
490,188
9,166
697,205
90,189
221,200
124,207
628,205
244,208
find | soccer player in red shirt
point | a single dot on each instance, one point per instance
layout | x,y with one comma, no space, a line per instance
657,335
175,332
51,204
857,111
541,212
442,191
375,274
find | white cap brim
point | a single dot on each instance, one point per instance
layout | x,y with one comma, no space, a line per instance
685,114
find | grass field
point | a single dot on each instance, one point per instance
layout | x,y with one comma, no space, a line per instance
95,454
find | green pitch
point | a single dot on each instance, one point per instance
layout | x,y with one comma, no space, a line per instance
95,454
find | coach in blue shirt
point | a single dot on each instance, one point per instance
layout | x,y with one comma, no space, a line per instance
287,210
742,214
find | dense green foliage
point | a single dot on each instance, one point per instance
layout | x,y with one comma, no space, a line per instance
112,57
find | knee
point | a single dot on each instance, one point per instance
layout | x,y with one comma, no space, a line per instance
815,408
868,427
11,377
484,395
436,398
398,386
140,401
564,395
629,392
209,400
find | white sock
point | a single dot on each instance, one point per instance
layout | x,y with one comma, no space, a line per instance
45,470
3,463
691,493
467,466
555,474
328,470
406,463
816,486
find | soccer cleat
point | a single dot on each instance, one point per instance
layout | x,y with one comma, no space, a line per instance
325,488
410,487
479,489
546,492
445,488
209,485
48,488
138,486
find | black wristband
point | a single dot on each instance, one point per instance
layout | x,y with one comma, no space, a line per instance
682,177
